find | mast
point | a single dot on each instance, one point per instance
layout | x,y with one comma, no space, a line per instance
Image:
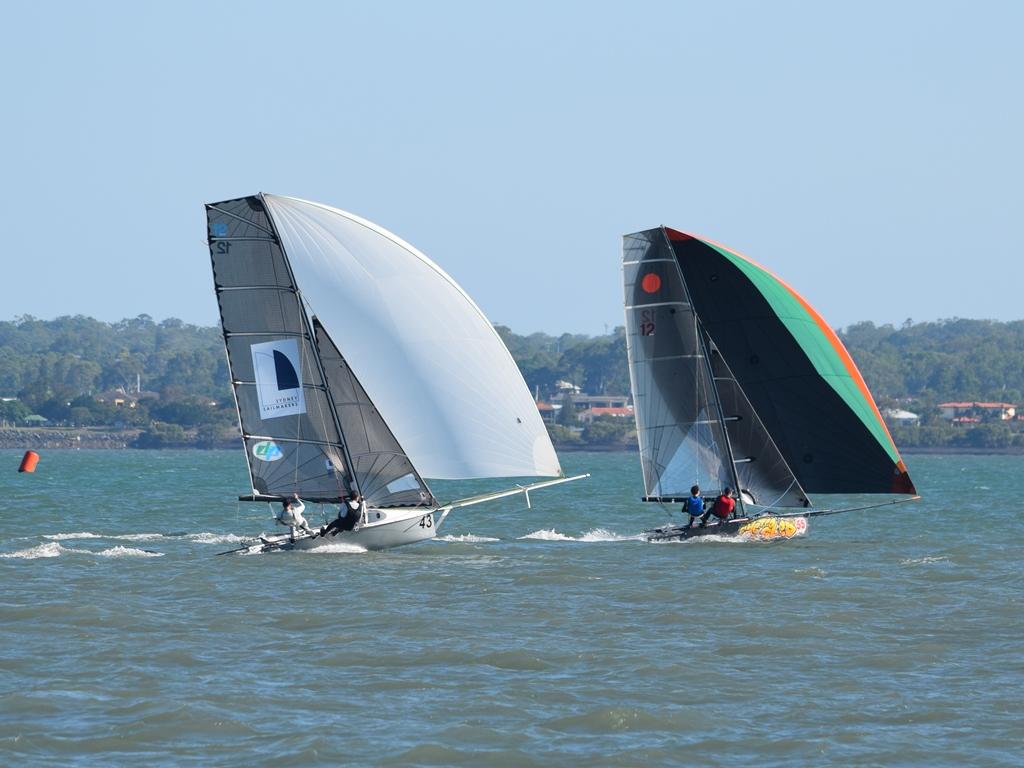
713,398
314,351
718,409
717,401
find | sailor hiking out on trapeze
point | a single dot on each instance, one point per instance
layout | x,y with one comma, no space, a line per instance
291,515
350,521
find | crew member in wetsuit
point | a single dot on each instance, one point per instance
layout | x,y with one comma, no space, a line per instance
694,506
722,508
353,514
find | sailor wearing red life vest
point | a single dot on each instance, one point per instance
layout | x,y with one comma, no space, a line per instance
722,508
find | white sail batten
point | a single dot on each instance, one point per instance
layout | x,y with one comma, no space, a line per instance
439,373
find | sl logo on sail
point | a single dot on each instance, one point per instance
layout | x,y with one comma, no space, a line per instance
278,378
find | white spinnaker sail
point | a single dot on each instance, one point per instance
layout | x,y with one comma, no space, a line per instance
433,364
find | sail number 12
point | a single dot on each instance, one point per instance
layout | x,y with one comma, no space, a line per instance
647,322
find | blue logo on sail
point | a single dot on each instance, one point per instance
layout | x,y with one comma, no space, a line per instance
219,229
267,450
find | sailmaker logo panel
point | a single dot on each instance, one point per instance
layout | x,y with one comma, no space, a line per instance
278,375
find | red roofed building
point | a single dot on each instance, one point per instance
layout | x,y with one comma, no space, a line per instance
620,412
547,412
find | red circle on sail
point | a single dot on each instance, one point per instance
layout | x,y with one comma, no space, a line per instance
651,282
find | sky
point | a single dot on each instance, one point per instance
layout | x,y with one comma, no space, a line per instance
869,153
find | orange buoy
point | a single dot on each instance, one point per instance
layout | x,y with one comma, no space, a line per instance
29,461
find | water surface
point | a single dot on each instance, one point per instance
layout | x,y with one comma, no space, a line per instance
546,636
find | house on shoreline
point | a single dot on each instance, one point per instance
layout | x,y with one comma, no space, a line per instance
976,412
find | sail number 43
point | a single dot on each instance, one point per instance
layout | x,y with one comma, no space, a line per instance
427,521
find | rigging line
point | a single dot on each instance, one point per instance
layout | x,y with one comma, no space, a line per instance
358,388
666,508
823,512
780,497
353,383
346,455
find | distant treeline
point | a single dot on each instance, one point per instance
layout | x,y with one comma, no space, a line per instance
60,368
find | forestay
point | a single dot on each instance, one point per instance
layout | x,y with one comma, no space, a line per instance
383,472
437,370
761,471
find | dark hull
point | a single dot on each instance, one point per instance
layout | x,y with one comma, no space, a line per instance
681,532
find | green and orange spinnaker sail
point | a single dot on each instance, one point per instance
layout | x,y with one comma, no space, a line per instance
793,369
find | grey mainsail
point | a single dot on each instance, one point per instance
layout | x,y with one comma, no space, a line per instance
383,472
293,444
679,421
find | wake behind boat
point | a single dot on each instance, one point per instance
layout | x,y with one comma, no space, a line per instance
738,383
298,281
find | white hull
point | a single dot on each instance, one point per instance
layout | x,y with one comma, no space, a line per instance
385,528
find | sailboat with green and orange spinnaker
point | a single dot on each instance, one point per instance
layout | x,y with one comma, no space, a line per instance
738,382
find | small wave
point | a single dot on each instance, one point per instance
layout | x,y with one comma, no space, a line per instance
594,535
217,538
50,549
928,559
602,534
610,719
813,572
334,548
710,538
89,535
120,551
468,538
547,534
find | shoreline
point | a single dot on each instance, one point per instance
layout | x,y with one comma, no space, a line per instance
97,438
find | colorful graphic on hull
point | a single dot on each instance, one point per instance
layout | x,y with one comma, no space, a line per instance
769,528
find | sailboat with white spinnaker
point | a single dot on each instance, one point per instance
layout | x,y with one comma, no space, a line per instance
359,367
